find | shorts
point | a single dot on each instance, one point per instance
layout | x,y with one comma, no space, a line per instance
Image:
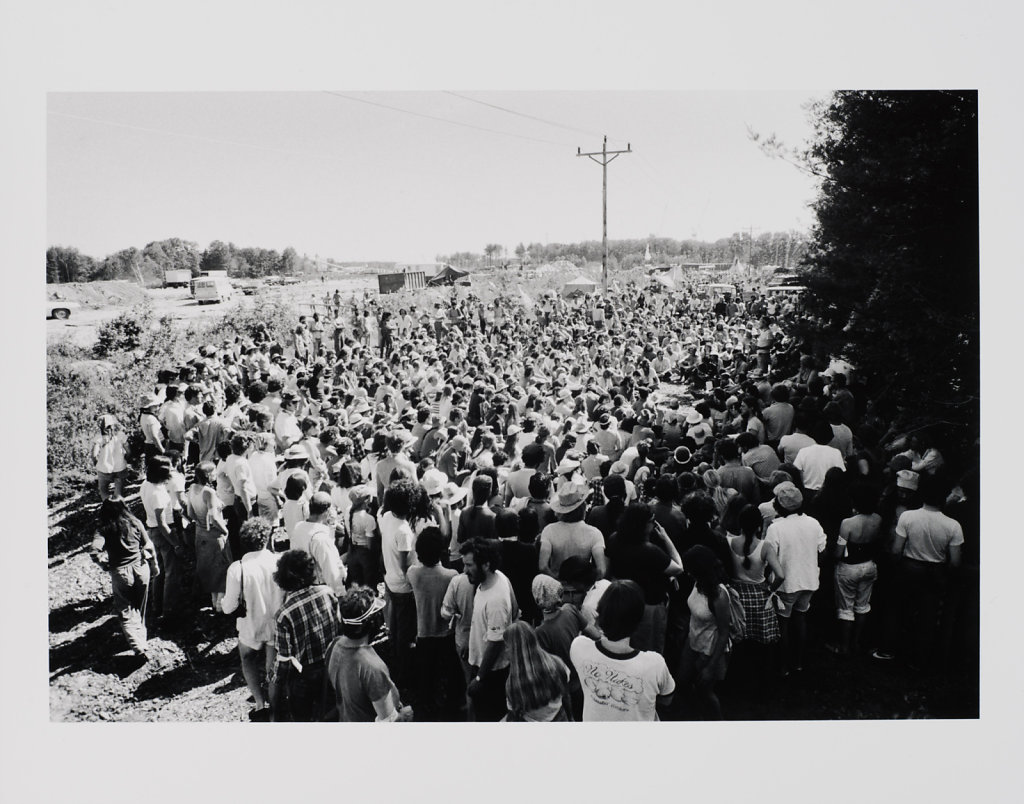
853,588
799,602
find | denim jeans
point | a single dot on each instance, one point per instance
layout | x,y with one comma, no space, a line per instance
167,591
853,588
440,685
131,587
402,635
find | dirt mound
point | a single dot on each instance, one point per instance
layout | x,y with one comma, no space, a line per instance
97,295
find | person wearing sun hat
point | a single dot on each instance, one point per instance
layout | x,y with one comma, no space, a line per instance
796,540
570,535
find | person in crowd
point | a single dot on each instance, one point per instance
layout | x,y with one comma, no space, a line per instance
794,540
519,557
856,569
633,555
131,562
316,536
109,457
363,555
307,622
538,682
397,545
477,520
213,554
930,546
619,682
752,563
166,538
439,687
359,678
570,535
707,650
494,609
251,590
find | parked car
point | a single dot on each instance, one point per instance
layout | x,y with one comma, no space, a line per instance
61,308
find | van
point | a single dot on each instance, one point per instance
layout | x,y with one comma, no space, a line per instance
212,289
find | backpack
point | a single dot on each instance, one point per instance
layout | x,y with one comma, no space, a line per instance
737,616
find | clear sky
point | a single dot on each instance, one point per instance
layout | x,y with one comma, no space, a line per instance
341,175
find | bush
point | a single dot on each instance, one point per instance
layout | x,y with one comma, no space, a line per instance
124,333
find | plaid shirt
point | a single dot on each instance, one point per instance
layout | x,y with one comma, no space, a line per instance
306,624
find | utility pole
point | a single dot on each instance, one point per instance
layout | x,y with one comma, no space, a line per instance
604,153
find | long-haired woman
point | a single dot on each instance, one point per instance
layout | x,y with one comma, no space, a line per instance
213,554
536,691
706,654
130,561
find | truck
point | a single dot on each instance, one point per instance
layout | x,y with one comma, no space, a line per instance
177,278
390,283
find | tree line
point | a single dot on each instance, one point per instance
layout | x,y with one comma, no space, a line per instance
767,248
68,264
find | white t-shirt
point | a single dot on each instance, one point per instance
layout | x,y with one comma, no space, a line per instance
396,537
929,534
263,597
797,539
815,461
619,687
792,444
263,469
155,496
494,610
317,539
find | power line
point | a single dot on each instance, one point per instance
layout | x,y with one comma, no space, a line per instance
444,119
527,116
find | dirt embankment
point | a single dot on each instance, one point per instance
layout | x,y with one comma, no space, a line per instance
97,295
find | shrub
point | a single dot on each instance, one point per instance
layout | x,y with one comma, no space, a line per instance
124,333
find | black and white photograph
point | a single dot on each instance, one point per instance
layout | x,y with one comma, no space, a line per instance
461,400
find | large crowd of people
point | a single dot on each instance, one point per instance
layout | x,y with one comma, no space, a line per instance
588,508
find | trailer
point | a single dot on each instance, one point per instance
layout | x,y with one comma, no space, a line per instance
407,280
177,278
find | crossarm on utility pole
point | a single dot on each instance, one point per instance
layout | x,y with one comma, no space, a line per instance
604,153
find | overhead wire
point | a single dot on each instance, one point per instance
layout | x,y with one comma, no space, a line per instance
444,119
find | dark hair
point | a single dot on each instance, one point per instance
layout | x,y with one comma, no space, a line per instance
430,546
483,489
620,609
864,498
295,486
158,469
750,522
296,570
699,507
706,570
666,488
633,523
400,497
746,440
529,524
539,486
727,450
506,523
485,551
254,534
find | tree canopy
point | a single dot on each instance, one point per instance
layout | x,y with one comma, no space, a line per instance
893,262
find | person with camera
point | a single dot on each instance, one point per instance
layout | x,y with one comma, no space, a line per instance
254,598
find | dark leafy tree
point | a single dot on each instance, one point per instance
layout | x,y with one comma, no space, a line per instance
893,260
65,264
